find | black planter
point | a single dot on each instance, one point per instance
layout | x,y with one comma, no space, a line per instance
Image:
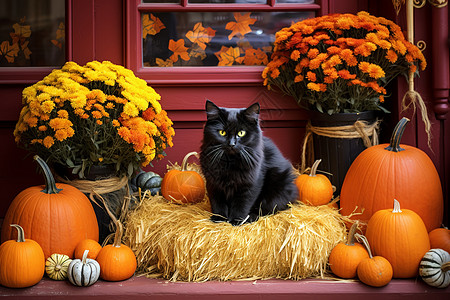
337,154
96,173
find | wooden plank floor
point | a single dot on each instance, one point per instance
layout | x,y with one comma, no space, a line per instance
144,288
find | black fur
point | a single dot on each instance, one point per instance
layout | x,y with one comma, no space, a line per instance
247,176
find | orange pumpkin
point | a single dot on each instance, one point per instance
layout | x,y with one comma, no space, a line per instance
375,270
314,189
182,186
393,171
440,239
57,216
87,244
117,261
345,257
22,262
400,236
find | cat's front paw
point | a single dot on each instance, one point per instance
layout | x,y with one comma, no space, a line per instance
218,219
238,221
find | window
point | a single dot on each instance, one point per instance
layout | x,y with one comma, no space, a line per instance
32,33
184,42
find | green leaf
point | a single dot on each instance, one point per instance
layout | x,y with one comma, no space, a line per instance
130,170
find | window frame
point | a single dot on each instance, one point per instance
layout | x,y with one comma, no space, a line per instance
197,76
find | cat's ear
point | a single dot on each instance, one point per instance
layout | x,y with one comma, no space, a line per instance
212,110
252,112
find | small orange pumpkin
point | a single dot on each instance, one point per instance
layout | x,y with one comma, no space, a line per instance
117,261
375,270
440,239
22,262
182,186
314,189
345,257
87,244
400,236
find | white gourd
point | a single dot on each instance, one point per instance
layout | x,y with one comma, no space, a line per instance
434,268
84,272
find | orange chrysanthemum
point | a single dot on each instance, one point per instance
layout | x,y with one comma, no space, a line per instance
340,55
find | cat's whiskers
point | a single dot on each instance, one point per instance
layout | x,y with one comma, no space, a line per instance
248,158
215,153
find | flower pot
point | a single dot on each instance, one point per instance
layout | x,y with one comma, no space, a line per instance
96,172
337,154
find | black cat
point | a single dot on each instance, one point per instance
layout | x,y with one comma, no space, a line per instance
246,174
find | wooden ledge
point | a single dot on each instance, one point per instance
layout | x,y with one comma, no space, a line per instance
140,287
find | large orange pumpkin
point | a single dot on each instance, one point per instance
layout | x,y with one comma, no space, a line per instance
57,216
182,186
400,236
393,171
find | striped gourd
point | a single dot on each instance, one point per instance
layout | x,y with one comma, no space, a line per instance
434,268
56,266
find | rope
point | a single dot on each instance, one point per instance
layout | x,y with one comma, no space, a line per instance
101,186
360,129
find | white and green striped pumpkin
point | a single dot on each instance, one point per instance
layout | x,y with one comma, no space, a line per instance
434,268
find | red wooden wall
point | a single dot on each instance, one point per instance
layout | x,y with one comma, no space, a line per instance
97,31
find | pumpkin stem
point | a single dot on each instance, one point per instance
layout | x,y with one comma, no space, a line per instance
365,241
396,207
85,254
20,233
351,234
445,267
314,168
397,134
50,185
184,163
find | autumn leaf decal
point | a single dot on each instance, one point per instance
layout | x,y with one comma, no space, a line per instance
242,25
201,35
178,49
151,25
253,57
21,32
9,51
164,63
227,56
60,35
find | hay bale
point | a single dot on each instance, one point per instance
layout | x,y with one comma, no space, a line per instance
180,243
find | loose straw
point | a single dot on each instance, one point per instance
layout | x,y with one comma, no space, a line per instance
360,129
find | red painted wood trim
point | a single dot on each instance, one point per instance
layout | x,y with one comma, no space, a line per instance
440,62
225,7
144,288
83,31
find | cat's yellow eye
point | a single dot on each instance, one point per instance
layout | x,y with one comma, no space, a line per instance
241,133
222,132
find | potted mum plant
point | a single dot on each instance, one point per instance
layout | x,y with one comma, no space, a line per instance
99,114
338,67
94,122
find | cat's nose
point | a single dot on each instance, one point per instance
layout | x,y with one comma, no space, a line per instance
232,142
